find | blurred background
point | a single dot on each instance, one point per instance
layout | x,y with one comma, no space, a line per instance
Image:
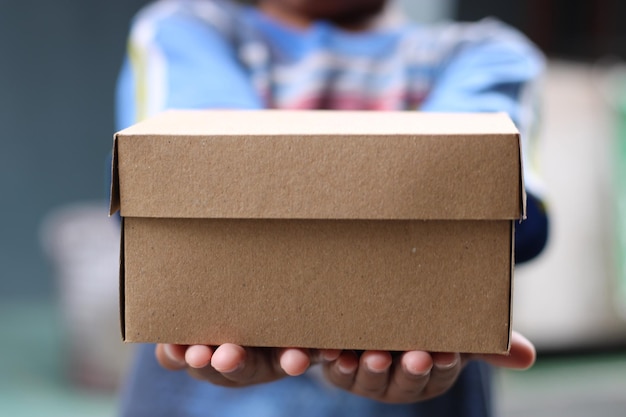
58,250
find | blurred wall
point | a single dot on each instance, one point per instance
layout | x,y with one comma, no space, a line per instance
58,64
572,297
571,29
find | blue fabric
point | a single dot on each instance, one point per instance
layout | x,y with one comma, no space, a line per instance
531,235
226,82
154,392
485,76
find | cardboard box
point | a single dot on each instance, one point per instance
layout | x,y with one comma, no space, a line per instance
321,229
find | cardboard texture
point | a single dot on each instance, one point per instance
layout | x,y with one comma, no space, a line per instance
320,229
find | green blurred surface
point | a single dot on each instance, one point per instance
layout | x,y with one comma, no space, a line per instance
33,375
591,384
619,174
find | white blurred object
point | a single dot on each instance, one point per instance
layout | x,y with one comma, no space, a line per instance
83,245
565,299
428,11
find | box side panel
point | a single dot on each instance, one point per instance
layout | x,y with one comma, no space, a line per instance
323,177
399,285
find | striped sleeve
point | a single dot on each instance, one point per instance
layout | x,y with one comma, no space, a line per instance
180,55
491,67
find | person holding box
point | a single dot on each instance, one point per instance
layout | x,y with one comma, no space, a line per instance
339,55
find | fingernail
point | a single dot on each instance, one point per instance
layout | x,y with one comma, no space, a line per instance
345,368
330,355
446,365
375,366
415,371
235,368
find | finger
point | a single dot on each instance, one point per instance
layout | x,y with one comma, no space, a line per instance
198,356
171,357
522,354
230,365
409,377
200,359
234,365
372,376
342,371
228,358
444,373
324,355
294,362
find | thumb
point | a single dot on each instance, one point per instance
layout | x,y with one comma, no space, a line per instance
522,354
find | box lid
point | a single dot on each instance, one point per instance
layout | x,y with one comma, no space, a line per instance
319,165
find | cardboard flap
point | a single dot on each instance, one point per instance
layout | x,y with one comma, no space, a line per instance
319,165
114,197
522,188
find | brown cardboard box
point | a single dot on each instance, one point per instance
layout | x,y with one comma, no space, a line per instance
321,229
